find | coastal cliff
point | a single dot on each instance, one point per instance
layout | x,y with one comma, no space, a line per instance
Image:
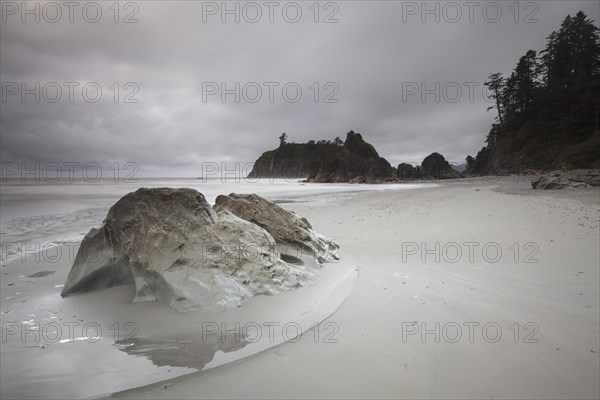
290,160
354,160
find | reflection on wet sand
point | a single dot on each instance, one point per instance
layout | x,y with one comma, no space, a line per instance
183,351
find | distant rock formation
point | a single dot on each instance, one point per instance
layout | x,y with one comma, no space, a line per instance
406,171
435,166
290,160
175,248
578,178
355,161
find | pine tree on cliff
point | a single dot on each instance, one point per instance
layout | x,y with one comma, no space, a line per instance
282,139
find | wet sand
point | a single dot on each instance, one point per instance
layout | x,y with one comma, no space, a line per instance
98,343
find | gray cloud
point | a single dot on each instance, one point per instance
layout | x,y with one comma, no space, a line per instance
170,52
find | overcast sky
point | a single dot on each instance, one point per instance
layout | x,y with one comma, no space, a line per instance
175,59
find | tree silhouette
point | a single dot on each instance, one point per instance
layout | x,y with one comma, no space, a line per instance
282,139
495,83
469,161
552,101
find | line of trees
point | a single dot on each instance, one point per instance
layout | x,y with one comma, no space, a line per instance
556,92
337,141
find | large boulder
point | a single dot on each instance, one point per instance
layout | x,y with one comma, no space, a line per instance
577,178
435,166
177,249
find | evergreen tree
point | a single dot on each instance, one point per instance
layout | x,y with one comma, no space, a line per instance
553,100
282,139
495,83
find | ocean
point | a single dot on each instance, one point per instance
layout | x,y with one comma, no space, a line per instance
43,214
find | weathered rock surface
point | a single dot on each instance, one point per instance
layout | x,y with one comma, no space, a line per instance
577,178
176,249
294,235
435,166
356,158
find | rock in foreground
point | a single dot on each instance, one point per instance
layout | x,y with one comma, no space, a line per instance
177,249
293,235
577,178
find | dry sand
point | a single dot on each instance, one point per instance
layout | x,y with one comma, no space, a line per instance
520,324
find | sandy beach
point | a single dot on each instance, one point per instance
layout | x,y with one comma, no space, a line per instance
544,301
300,200
473,289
